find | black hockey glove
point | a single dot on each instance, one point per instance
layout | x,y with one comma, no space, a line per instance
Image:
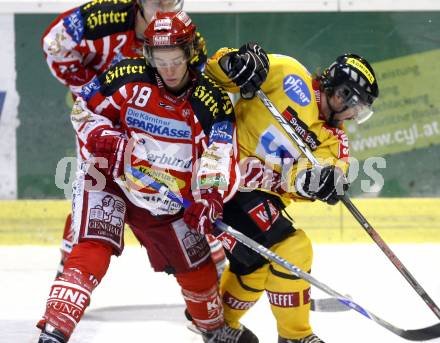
248,68
327,184
200,54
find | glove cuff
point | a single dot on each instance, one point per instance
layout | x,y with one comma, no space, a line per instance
300,182
225,62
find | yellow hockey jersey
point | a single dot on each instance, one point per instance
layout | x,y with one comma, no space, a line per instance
269,159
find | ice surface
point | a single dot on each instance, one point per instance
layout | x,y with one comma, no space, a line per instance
134,304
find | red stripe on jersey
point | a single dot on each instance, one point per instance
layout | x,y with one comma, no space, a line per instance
343,149
317,91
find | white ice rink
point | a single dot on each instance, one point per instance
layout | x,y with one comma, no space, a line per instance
133,304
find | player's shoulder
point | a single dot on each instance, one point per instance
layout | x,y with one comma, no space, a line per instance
210,103
126,71
288,65
205,84
99,18
210,95
290,80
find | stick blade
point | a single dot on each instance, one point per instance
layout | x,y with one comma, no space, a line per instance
423,334
328,305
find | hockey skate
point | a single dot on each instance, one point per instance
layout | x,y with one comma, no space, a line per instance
309,339
51,335
51,338
226,334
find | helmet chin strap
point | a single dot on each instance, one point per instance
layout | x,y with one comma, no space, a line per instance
331,120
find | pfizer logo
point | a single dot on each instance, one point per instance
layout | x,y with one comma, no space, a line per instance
296,89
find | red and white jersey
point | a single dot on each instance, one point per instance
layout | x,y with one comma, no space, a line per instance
86,40
180,141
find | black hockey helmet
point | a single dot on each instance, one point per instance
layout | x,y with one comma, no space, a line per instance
354,79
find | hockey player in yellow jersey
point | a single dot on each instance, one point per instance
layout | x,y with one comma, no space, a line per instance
274,174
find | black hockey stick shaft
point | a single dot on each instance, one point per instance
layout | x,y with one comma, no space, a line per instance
352,208
423,334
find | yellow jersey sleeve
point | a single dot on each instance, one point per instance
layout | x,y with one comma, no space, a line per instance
289,87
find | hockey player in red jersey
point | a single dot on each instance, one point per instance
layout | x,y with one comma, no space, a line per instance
85,41
160,116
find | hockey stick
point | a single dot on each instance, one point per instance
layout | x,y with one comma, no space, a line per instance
422,334
316,305
352,208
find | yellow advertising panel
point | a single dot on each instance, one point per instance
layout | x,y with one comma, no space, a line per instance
407,112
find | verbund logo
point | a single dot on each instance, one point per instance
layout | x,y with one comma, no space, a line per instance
296,89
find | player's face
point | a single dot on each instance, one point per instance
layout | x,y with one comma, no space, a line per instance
349,108
348,114
172,66
337,103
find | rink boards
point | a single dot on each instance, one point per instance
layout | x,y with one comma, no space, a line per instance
398,220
